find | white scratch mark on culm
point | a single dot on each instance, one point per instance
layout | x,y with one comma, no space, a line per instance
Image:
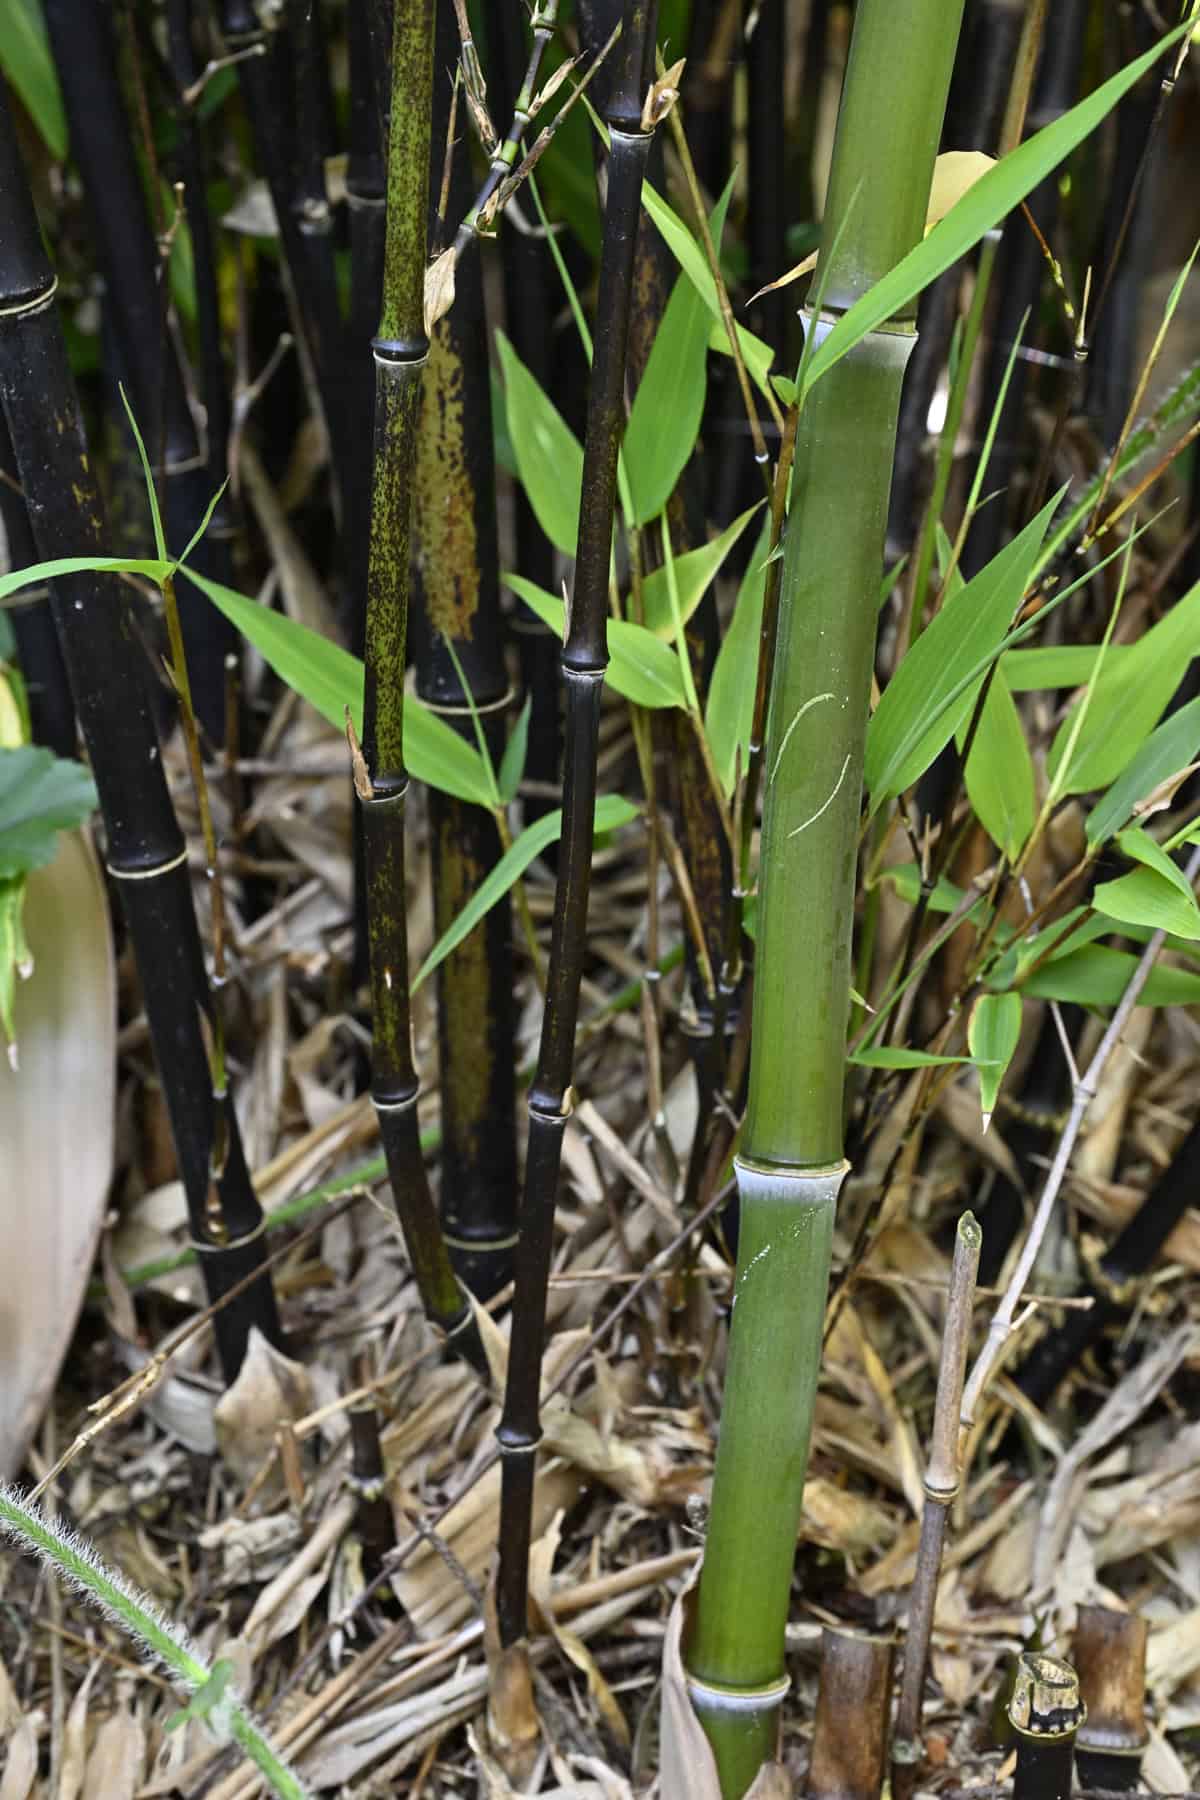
824,809
787,736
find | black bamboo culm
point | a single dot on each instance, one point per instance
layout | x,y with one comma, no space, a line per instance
401,351
528,273
268,80
190,167
145,849
584,659
102,147
51,714
1045,1713
766,146
458,637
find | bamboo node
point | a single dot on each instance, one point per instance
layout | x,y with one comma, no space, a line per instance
164,868
725,1699
1045,1702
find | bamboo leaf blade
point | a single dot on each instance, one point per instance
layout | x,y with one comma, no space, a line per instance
28,64
1146,897
690,256
934,689
1127,700
664,420
153,568
331,679
641,667
549,456
992,1033
695,572
1168,750
729,713
611,812
999,772
1098,976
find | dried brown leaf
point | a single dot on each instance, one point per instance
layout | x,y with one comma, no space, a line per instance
439,288
541,1563
270,1388
115,1766
688,1768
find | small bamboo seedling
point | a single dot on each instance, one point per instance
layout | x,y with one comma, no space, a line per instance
1110,1655
1045,1712
941,1488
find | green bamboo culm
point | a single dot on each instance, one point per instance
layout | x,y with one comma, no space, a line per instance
401,351
791,1164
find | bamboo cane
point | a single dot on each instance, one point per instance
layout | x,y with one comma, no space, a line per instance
145,850
401,350
584,658
791,1164
461,674
81,38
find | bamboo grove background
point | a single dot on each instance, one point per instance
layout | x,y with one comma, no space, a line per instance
621,583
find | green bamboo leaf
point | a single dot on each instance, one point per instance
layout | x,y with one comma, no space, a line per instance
883,1056
992,1033
692,260
154,568
664,420
999,771
512,763
611,811
1056,666
1128,699
933,691
40,795
641,666
1166,752
695,571
331,680
160,542
549,455
1098,976
28,64
1147,897
729,714
981,207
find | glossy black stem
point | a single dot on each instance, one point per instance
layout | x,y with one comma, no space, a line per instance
146,854
271,92
584,659
766,146
190,159
51,712
103,151
529,279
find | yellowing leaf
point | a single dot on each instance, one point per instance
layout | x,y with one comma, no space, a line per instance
954,172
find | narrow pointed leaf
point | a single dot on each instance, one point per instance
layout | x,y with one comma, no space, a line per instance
549,455
695,571
512,763
331,680
999,771
611,811
995,1026
153,568
933,691
729,715
1167,750
1127,701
